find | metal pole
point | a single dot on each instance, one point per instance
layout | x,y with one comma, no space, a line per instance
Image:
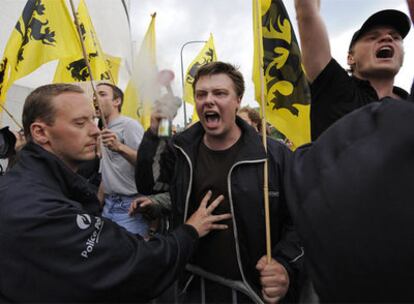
182,74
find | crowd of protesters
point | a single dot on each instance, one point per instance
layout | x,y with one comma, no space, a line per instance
182,219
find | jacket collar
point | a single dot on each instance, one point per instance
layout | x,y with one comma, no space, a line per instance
41,164
251,146
367,86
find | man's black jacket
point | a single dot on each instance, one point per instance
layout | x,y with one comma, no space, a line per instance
351,196
55,247
245,193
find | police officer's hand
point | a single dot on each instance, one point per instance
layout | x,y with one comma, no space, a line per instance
274,279
203,220
110,140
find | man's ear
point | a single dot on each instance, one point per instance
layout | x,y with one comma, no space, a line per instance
350,59
239,99
39,133
117,102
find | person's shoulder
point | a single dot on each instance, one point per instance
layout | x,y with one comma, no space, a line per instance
332,67
190,135
276,144
127,119
401,93
278,150
23,190
131,123
331,71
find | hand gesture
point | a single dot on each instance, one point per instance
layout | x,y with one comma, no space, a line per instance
145,206
110,140
203,220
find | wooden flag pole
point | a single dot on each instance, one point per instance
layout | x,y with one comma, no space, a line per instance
11,116
85,57
264,135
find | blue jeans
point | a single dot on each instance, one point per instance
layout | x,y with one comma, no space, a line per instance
116,209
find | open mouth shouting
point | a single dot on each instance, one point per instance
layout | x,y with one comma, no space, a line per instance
385,52
211,119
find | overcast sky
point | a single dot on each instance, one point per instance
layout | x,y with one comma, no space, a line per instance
230,21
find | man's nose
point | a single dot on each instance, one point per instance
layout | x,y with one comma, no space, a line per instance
209,101
94,130
387,37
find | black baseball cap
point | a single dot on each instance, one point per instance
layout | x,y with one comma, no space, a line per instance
394,18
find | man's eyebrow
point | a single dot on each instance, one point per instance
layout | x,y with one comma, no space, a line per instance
212,89
83,117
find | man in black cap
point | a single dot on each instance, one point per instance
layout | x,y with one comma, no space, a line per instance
375,56
350,196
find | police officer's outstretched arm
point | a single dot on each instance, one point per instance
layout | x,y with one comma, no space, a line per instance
133,269
316,51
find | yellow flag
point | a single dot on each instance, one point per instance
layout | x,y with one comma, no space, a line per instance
44,32
74,69
206,55
104,67
112,69
287,95
130,106
143,88
4,79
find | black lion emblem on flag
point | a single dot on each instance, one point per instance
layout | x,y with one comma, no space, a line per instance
286,81
208,57
78,68
3,66
32,28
